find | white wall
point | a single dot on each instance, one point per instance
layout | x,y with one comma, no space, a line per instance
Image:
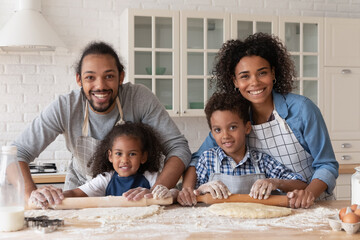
30,81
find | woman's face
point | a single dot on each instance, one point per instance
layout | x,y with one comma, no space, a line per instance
126,155
254,79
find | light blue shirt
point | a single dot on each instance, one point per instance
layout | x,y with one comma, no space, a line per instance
305,120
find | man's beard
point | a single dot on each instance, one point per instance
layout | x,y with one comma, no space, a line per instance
97,109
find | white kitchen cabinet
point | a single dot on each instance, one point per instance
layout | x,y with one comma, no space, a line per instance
202,34
343,185
151,41
342,42
303,38
244,25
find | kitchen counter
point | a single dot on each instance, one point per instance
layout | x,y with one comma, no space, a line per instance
176,222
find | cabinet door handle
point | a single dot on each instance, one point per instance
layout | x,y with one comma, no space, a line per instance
346,145
345,157
345,71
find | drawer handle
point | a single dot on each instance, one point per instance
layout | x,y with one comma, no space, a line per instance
346,145
345,157
345,71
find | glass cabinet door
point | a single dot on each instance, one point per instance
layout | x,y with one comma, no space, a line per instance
202,37
303,39
153,54
245,25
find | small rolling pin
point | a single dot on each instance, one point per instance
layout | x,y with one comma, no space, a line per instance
109,201
274,200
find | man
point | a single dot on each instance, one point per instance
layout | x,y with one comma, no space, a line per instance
85,116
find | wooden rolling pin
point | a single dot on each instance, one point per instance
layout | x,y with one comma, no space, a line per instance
109,201
274,200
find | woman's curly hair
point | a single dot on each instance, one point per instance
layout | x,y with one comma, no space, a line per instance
226,102
263,45
149,139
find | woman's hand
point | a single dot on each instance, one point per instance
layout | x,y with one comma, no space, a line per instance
261,189
300,199
187,197
217,189
136,194
45,196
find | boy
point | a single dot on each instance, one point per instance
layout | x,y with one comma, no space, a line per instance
232,167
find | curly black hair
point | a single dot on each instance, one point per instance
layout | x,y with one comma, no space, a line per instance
224,101
263,45
149,139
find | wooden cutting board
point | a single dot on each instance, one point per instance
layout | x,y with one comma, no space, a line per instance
274,200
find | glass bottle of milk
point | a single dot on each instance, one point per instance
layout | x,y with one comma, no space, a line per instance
355,187
11,191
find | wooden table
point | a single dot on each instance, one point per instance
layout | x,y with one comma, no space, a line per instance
186,223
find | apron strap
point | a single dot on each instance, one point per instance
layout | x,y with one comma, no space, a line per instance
254,161
121,121
85,127
217,164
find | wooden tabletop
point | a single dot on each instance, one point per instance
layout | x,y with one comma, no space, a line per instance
176,222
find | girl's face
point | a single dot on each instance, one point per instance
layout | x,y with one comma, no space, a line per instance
126,155
229,132
254,79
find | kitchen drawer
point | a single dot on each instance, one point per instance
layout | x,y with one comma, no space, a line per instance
346,146
348,157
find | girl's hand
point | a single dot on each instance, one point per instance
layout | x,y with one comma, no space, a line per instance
187,197
217,189
261,189
161,192
45,196
300,199
136,194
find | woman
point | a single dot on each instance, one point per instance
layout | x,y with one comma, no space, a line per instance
287,126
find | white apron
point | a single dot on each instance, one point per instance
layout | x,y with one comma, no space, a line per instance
79,172
276,139
237,184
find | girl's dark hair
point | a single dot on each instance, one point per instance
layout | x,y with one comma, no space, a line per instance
263,45
100,48
149,140
224,101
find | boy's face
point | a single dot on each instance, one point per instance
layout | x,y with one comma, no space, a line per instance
126,155
229,132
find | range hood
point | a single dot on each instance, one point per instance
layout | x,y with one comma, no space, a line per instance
27,30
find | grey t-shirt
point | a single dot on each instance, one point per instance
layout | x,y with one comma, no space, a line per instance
66,115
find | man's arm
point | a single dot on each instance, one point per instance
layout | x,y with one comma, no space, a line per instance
29,183
171,173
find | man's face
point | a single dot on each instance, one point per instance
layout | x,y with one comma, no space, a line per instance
100,81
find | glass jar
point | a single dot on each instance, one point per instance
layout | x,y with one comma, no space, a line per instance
12,202
355,186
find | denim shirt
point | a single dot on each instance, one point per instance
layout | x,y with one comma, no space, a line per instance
305,120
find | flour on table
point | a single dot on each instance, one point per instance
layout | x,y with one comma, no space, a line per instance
249,210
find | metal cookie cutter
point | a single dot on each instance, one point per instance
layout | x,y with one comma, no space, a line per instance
43,224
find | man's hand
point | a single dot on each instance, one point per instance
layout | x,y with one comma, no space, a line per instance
45,196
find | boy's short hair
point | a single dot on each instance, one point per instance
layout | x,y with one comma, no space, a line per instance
231,102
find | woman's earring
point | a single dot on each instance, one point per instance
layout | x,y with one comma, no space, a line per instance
274,81
236,89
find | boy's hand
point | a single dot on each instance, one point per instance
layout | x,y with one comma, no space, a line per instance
261,189
217,189
45,196
187,197
300,199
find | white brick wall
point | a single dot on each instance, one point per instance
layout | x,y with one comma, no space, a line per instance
30,81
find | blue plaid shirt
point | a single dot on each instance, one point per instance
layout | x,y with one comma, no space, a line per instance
267,165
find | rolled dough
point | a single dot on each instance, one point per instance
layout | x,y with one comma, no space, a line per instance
248,210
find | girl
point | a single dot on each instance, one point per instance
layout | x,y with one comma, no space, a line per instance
129,157
286,126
